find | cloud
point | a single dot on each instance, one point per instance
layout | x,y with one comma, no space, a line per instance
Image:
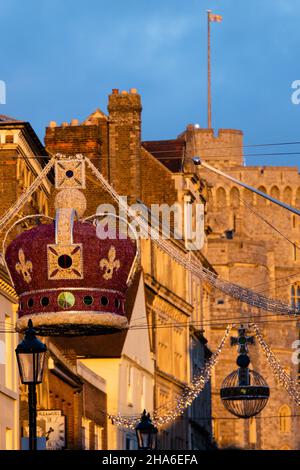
165,30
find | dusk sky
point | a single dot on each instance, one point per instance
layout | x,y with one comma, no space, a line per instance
60,60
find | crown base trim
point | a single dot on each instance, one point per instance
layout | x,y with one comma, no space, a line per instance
73,323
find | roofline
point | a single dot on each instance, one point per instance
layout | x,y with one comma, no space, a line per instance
38,147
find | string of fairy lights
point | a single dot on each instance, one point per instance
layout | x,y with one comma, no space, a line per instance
192,264
282,377
26,194
171,410
241,293
175,408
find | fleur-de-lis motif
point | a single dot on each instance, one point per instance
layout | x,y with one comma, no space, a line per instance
110,263
24,267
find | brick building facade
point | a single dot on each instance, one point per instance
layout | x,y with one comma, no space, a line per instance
113,143
68,388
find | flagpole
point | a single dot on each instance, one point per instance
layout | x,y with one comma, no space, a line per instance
209,125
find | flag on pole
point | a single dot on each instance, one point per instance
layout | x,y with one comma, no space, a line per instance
216,18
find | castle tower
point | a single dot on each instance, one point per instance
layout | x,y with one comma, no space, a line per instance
222,150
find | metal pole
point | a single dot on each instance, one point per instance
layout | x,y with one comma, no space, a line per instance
32,415
247,186
209,124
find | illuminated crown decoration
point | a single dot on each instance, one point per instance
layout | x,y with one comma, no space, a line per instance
69,281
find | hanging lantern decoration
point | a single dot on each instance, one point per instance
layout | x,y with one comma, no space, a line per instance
70,281
244,392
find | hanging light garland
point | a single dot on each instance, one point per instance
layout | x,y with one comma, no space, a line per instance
282,377
233,290
17,206
238,292
171,410
192,265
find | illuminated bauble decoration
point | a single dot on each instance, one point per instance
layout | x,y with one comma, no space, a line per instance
70,281
244,401
244,392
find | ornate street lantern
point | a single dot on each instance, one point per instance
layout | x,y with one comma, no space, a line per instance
31,357
31,354
244,392
146,433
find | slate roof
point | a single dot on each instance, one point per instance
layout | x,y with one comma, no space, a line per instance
169,152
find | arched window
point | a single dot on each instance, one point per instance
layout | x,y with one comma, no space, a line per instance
285,420
261,201
275,192
221,197
234,197
297,202
295,295
288,195
248,196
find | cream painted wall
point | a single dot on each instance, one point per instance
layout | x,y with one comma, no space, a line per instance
108,369
9,381
136,366
137,343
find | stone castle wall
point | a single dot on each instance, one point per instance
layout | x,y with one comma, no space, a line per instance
257,257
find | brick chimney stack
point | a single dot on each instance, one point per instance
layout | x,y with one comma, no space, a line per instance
125,142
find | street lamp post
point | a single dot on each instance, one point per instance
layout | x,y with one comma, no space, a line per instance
146,433
31,357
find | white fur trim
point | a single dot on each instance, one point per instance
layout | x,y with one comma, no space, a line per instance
109,320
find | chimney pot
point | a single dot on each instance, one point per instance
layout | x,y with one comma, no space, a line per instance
74,122
52,124
133,91
115,91
124,92
64,124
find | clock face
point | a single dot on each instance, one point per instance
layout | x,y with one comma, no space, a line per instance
53,428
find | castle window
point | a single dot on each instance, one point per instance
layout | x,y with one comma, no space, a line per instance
295,295
221,197
298,198
287,195
285,421
248,196
261,201
30,302
234,197
275,192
